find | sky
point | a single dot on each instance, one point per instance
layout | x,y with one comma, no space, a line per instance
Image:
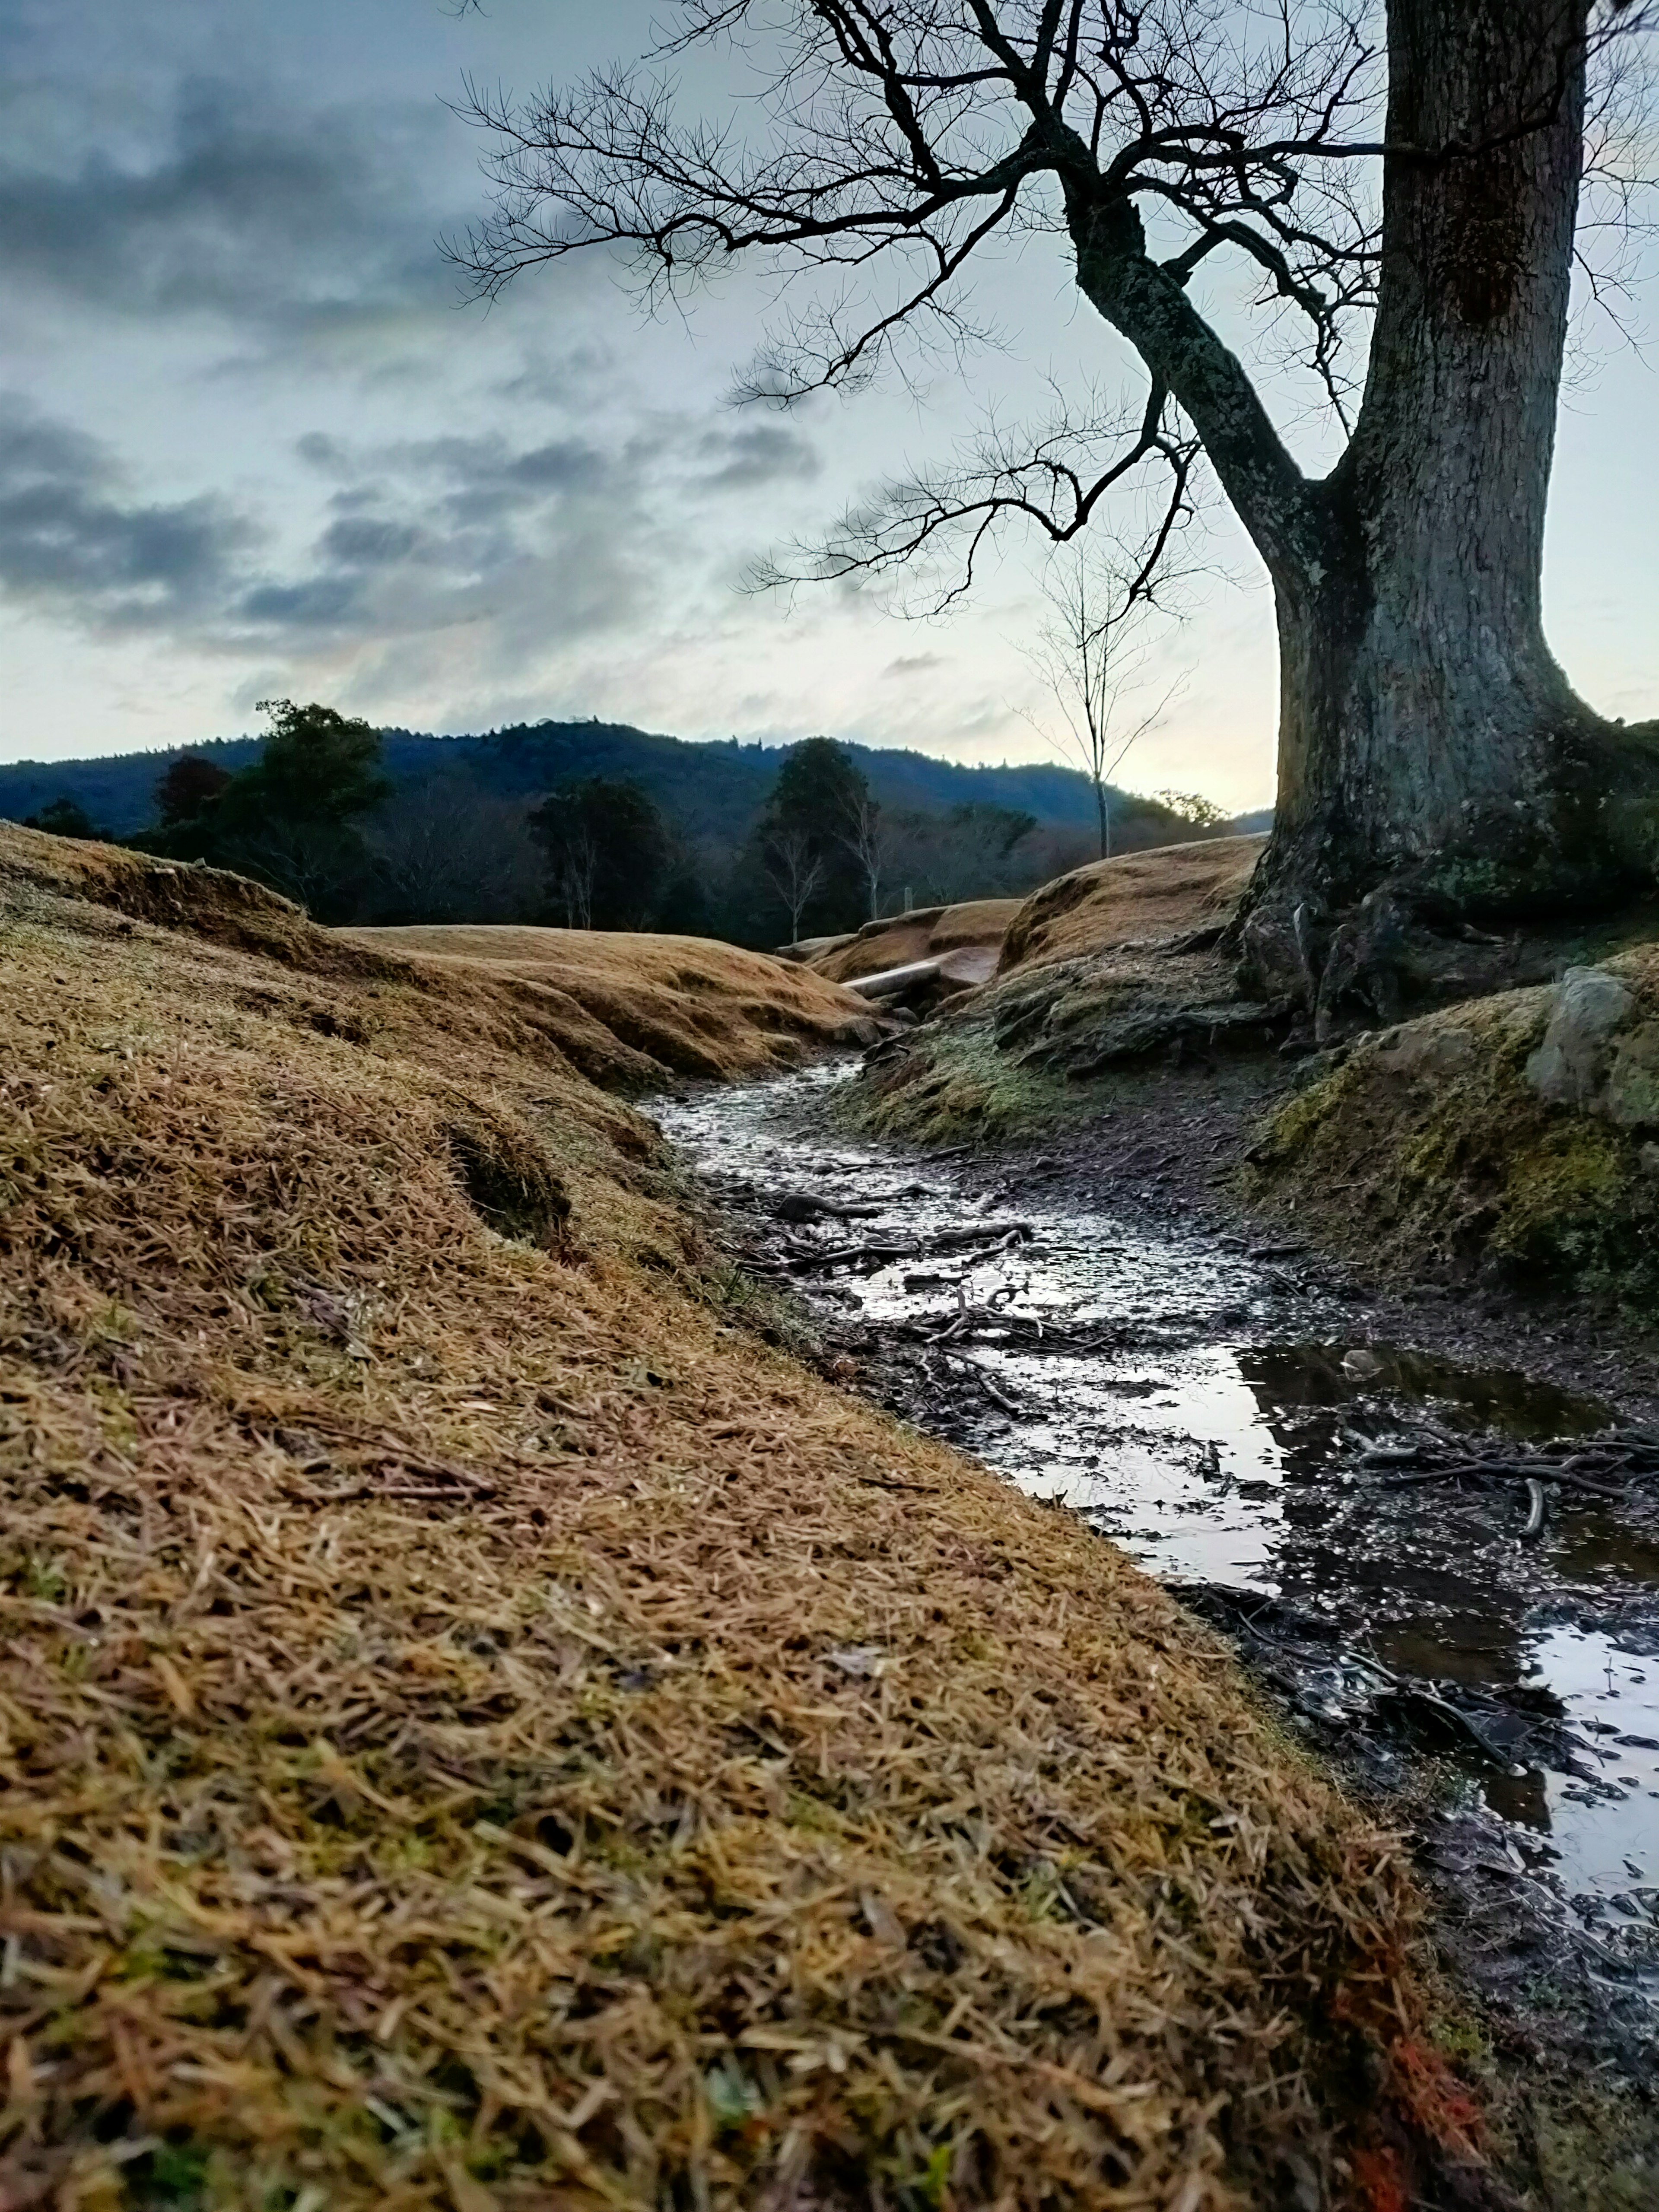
256,441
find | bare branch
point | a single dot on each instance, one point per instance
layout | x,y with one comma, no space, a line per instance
892,141
937,528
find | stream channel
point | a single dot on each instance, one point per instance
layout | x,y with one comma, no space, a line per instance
1206,1404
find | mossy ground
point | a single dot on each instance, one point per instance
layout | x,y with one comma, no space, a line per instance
1467,1168
950,1085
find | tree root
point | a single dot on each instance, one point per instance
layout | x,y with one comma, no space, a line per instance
1371,960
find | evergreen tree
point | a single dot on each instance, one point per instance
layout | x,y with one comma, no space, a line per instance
608,853
61,818
289,821
816,807
188,788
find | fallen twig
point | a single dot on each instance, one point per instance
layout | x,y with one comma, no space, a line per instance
1535,1516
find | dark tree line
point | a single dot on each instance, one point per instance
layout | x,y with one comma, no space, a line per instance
822,858
316,818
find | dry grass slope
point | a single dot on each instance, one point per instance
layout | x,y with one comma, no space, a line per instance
479,1730
1157,894
695,1006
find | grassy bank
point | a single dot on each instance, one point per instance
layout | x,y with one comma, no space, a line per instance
1096,971
950,1085
481,1730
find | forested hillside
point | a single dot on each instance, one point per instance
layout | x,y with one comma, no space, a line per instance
710,790
594,825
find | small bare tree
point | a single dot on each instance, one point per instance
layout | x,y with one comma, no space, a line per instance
1091,654
575,869
795,869
869,838
445,851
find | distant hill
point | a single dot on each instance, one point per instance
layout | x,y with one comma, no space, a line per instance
708,791
117,792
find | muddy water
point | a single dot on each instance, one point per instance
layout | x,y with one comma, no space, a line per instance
1190,1398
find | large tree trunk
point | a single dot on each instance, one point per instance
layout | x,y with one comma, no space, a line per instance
1429,742
1433,759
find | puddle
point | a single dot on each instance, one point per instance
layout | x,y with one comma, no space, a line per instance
1191,1402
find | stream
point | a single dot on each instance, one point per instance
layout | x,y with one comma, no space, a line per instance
1206,1403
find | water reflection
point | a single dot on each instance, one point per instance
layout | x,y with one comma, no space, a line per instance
1215,1451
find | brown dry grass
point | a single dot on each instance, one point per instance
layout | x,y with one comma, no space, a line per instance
696,1006
480,1731
1160,893
919,936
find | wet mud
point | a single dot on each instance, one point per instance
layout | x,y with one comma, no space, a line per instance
1443,1565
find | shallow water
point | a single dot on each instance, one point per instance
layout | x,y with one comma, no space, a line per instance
1212,1437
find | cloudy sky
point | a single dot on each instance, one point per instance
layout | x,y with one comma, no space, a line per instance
255,441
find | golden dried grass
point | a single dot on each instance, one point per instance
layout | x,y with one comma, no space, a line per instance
1159,893
479,1730
696,1006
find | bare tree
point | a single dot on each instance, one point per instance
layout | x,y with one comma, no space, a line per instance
1422,172
1090,654
795,869
446,851
315,864
971,851
577,871
572,872
869,838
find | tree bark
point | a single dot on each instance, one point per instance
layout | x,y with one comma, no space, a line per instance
1429,745
1427,735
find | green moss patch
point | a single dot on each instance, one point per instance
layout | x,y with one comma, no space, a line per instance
952,1085
1428,1156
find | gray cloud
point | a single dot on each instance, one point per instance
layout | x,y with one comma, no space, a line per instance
292,222
755,456
472,515
422,535
327,602
75,541
541,542
364,542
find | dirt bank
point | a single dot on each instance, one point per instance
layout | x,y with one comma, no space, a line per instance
481,1730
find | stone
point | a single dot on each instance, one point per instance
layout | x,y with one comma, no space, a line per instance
1426,1049
1569,1066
